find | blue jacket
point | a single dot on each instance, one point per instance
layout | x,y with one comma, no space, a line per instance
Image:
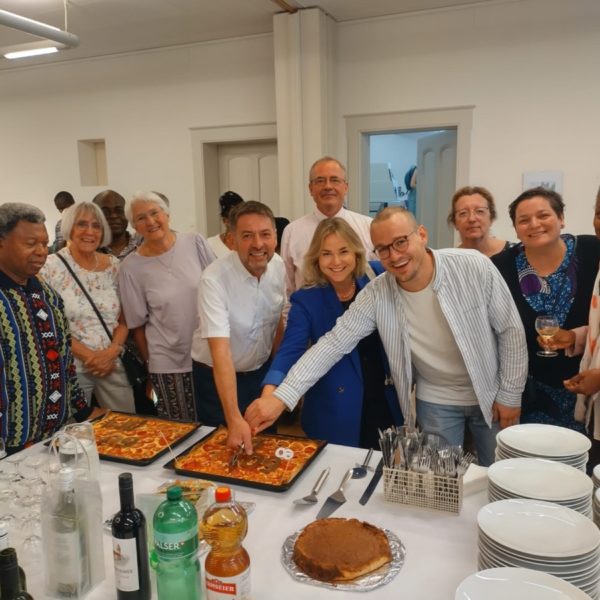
333,406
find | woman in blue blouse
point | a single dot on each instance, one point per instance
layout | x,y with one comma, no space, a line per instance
548,274
357,396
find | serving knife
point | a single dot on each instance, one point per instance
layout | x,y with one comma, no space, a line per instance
236,456
372,484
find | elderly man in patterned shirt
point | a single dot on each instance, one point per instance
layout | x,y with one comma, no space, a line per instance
38,385
448,323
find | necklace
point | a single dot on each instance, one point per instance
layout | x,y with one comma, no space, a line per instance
345,297
168,264
78,261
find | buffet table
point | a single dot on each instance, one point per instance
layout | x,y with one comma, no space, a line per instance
441,549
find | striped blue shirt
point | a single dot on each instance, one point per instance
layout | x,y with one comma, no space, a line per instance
481,314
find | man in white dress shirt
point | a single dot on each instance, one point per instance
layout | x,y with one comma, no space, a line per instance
240,300
328,188
447,322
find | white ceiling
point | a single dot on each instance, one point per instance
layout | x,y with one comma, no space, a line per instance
114,26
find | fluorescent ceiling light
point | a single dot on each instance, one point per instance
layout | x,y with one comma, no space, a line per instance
32,52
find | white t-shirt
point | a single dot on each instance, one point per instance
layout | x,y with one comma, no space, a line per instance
234,304
442,376
217,246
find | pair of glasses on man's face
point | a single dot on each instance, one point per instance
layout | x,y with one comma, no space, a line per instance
399,245
320,181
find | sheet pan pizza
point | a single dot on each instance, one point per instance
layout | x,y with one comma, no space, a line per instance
272,466
137,439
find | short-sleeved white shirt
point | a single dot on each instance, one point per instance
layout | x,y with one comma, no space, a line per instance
160,292
234,304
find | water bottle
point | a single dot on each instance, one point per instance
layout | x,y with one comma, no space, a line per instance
176,545
227,567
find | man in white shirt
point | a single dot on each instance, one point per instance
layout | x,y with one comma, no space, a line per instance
240,300
328,188
447,313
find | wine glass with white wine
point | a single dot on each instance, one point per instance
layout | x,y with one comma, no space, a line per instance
546,326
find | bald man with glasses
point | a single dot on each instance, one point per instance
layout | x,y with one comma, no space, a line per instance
448,324
328,187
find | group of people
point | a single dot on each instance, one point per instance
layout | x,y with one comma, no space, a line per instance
358,316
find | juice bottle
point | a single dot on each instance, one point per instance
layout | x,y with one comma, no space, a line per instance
175,546
227,567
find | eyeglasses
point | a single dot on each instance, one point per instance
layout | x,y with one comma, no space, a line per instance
320,181
82,224
465,213
399,245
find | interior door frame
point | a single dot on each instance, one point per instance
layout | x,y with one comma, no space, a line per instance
205,141
360,127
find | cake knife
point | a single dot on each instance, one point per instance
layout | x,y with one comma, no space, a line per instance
372,484
336,499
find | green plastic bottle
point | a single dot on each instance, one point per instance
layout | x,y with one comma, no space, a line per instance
176,546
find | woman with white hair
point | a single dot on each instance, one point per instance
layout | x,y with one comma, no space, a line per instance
159,290
79,272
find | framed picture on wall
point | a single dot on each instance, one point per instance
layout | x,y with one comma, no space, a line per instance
551,180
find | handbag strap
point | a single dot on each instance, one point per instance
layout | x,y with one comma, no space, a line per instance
89,298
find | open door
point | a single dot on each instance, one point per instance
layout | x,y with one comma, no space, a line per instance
436,182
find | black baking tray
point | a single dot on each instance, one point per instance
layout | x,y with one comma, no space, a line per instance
143,461
240,480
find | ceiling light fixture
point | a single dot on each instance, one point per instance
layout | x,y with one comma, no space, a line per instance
32,52
62,39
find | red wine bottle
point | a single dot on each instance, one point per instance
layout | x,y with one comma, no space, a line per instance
130,546
10,584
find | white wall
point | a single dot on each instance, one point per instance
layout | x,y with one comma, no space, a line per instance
143,105
530,68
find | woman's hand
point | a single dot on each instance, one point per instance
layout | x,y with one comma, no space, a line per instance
561,340
586,382
102,362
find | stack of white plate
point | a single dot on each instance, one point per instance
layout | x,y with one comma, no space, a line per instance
516,584
540,479
596,507
532,440
542,536
596,477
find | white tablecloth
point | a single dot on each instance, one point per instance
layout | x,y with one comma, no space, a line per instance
441,549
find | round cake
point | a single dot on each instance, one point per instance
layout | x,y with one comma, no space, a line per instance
341,549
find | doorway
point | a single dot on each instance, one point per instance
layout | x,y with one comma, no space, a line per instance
417,171
442,141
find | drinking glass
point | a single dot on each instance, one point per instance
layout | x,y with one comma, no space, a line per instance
546,326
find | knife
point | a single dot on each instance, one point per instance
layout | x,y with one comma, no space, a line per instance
336,499
372,484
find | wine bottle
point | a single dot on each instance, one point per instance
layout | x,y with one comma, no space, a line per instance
130,546
10,585
4,543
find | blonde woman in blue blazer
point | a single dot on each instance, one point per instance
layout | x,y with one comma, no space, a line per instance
357,396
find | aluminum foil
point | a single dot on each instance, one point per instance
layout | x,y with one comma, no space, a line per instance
368,582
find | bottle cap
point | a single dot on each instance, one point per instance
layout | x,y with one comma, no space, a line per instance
125,481
65,479
8,558
222,494
174,493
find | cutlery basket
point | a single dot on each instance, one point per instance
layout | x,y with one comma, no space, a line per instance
426,490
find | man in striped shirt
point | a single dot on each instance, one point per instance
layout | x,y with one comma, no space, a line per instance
448,324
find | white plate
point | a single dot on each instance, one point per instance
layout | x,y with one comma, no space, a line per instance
540,479
516,584
544,440
538,528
